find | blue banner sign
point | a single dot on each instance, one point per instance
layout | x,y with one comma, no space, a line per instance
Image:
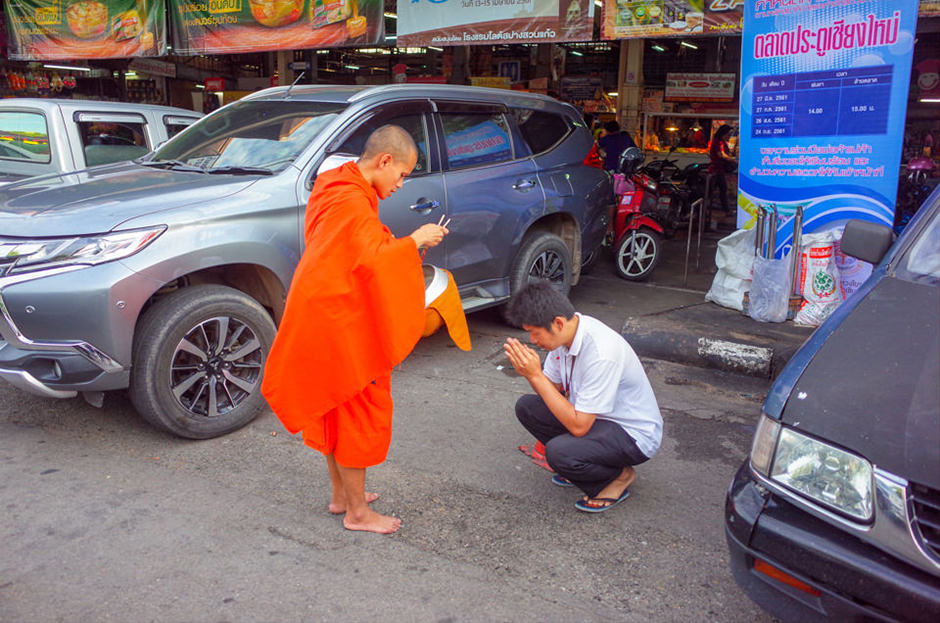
824,87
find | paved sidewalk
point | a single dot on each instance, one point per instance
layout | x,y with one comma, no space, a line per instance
703,333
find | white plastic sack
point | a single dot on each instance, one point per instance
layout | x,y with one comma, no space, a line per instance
734,257
769,295
819,278
853,272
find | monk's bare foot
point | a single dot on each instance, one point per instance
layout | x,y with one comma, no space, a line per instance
371,521
338,507
613,490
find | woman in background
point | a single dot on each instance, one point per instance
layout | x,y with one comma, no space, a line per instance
721,163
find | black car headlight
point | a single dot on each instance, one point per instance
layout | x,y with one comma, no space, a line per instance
823,473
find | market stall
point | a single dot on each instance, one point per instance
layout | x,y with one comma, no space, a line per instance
685,135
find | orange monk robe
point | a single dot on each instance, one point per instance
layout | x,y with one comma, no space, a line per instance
355,309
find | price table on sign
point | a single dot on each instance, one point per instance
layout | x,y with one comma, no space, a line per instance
822,103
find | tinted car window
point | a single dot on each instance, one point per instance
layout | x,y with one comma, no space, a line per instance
24,136
922,261
104,142
541,130
412,123
172,129
476,138
251,134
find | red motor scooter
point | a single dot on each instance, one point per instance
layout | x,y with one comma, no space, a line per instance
637,235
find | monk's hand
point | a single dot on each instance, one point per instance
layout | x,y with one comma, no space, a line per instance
429,235
523,358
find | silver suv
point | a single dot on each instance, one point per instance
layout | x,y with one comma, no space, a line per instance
167,275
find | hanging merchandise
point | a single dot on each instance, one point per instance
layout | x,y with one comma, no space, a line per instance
76,29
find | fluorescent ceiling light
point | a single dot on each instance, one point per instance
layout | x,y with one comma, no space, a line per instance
598,3
431,47
391,16
130,74
659,48
575,53
353,67
391,37
926,100
689,45
200,86
69,67
612,94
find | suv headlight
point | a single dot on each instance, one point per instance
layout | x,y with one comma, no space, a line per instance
832,477
40,254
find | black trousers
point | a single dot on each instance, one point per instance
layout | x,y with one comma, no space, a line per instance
590,462
721,183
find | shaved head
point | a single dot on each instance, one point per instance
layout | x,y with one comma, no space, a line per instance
390,139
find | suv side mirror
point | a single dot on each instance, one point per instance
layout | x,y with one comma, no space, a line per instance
867,241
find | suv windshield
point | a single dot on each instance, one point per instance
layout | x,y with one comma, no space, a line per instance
249,136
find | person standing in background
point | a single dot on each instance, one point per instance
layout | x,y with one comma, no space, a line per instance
721,162
614,142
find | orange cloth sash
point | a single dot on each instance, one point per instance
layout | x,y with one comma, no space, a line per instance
447,309
355,305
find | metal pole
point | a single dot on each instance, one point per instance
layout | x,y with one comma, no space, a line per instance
772,232
797,242
698,243
759,235
688,247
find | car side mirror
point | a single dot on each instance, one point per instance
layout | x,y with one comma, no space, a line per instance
867,241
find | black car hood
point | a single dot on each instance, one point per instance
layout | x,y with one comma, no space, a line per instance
874,385
100,199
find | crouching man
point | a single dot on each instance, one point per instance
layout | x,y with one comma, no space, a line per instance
593,406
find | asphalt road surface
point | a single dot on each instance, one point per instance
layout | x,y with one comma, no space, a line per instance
108,519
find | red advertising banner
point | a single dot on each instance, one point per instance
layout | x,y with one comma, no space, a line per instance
74,29
929,8
690,87
723,17
239,26
489,22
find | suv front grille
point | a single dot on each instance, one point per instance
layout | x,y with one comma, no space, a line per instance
926,517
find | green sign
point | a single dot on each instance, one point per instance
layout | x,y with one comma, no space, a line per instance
74,29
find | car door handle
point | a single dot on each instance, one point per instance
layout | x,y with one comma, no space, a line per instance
425,205
523,185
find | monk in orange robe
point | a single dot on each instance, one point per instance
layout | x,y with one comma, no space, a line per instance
355,309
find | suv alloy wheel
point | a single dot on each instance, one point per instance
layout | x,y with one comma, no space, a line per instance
198,361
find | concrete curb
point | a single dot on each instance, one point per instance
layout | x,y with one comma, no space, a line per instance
700,345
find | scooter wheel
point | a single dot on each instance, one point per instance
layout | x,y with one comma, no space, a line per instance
637,254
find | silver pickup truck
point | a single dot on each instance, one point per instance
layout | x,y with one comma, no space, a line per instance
41,136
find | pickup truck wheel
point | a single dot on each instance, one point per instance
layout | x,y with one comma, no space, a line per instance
198,359
542,256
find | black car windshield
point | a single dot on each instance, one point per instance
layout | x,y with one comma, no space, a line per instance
250,135
921,261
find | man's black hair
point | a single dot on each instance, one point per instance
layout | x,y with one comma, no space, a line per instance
612,127
537,304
